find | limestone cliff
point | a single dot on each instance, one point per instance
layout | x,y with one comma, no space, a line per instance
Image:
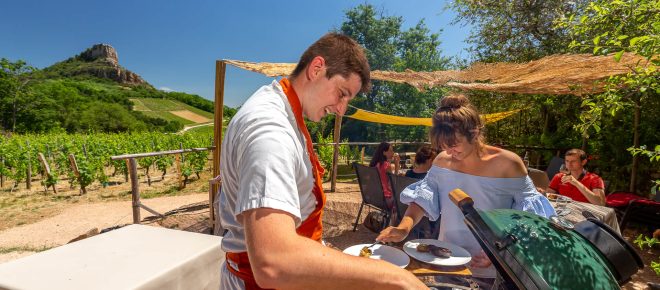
100,61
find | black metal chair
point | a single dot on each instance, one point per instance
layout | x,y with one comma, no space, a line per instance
371,191
425,229
553,167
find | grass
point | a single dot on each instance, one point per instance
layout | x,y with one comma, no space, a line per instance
160,108
202,130
23,249
168,116
165,105
22,206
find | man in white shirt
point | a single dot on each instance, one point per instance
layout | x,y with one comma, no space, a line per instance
272,200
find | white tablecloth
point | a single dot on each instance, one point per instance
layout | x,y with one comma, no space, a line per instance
133,257
602,213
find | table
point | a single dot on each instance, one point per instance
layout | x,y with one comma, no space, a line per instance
133,257
604,214
423,269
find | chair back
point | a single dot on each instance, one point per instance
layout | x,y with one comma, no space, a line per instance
370,186
399,183
539,178
553,167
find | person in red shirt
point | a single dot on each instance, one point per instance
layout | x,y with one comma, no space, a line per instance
580,185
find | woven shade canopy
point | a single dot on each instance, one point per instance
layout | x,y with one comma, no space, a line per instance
575,74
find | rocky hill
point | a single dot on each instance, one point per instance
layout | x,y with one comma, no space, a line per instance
100,61
92,92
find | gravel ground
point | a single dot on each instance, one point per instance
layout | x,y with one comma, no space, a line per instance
190,212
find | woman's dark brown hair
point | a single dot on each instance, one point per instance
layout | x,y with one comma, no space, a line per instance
342,56
425,153
455,117
379,155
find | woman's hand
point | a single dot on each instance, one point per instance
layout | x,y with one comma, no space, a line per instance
396,158
392,234
480,261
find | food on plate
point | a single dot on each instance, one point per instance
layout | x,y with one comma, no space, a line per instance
441,252
435,250
365,252
553,196
424,248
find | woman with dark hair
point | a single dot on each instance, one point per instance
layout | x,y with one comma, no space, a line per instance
423,162
493,177
381,160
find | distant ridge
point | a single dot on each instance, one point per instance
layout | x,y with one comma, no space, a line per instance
99,61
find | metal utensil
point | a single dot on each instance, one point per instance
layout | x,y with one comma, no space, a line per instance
376,242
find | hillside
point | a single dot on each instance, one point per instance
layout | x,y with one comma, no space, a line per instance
171,110
92,92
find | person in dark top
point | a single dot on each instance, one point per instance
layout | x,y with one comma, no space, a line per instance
423,162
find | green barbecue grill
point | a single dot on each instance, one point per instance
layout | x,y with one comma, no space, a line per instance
532,252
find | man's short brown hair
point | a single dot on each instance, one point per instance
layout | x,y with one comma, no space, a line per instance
578,152
342,55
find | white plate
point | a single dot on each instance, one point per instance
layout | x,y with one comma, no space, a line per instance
459,256
558,198
382,252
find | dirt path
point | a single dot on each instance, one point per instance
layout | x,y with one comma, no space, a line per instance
186,128
77,220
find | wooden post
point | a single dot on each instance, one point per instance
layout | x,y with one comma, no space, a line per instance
44,164
177,163
2,177
335,153
218,118
362,155
635,162
135,189
76,172
28,178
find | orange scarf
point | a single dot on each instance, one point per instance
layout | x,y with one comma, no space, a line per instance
312,227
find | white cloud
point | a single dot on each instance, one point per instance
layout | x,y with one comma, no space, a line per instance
165,89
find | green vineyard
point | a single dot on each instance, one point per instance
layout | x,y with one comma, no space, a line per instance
50,156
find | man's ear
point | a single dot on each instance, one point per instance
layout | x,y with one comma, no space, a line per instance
315,68
584,162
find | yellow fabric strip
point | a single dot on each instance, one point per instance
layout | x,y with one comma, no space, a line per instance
368,116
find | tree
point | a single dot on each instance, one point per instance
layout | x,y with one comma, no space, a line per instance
515,30
388,47
14,77
617,27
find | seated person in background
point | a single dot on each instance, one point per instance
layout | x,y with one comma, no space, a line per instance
580,185
494,178
381,160
423,161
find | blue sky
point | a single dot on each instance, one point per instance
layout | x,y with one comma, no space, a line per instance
174,44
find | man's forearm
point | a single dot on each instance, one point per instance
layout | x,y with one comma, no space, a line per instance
592,197
282,259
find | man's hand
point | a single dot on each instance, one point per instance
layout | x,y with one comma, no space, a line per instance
568,178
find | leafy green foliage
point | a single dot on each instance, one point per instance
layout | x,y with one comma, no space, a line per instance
93,152
643,241
617,27
516,30
654,156
64,97
389,47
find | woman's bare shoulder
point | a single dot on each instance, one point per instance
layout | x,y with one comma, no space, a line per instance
509,163
442,159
